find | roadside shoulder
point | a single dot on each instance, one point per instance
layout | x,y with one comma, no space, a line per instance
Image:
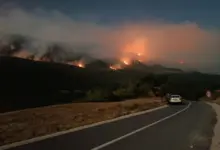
216,138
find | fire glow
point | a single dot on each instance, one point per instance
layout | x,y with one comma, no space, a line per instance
134,50
115,67
126,61
138,54
181,62
79,64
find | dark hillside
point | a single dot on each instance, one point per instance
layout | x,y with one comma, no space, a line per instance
26,83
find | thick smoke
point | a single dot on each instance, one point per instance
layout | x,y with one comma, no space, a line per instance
162,42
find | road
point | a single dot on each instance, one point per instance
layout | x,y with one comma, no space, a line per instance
179,127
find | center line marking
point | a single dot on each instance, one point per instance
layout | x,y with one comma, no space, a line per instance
139,130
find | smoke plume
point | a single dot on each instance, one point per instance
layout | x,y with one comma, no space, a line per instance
164,42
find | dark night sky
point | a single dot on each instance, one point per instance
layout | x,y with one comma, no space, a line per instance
204,12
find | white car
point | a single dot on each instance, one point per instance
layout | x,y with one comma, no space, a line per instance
174,99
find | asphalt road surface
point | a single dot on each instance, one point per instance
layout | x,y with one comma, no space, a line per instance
178,127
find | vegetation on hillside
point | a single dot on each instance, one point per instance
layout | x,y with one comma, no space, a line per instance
26,84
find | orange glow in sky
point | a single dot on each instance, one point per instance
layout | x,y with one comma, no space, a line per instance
138,46
134,50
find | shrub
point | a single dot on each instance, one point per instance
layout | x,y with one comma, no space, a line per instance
123,93
97,95
143,90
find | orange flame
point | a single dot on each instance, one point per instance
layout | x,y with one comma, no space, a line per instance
126,61
115,67
139,54
79,64
22,54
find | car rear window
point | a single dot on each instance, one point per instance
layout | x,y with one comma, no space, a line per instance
175,96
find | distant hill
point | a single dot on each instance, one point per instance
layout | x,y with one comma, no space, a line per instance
162,69
136,65
98,64
25,83
152,68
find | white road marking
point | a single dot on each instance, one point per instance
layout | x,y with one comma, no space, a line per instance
36,139
139,130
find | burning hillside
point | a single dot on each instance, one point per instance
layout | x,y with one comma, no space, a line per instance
130,56
22,47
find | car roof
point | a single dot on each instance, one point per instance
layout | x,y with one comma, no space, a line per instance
175,95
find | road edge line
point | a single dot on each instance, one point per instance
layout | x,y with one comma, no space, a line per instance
139,130
44,137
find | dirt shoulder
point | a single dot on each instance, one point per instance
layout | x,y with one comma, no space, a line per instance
26,124
216,138
217,101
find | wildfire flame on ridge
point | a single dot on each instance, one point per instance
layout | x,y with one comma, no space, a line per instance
79,64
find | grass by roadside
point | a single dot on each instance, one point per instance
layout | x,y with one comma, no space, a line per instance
26,124
217,101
